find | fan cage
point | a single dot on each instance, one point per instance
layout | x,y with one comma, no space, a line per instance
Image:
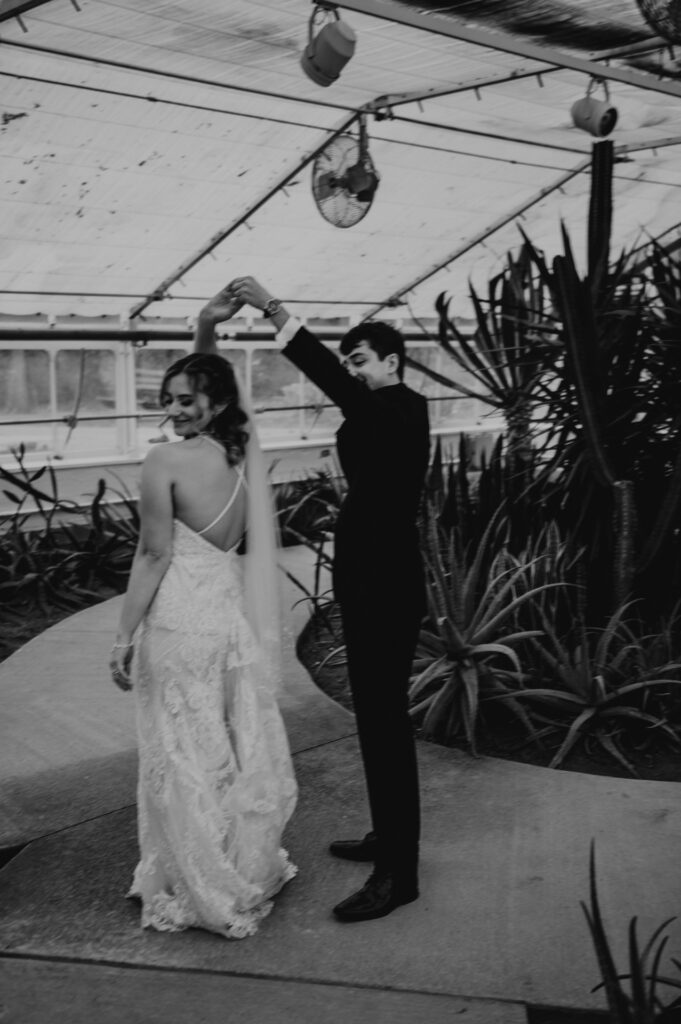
338,206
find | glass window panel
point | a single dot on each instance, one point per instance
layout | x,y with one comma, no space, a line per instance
428,356
318,422
457,410
237,357
276,384
150,365
151,362
25,394
88,374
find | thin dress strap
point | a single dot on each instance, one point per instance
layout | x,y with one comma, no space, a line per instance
229,504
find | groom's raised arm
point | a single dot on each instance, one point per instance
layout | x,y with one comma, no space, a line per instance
315,360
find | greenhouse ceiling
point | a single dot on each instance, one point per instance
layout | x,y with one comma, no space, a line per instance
152,150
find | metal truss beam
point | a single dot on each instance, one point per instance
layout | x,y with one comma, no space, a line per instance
15,8
397,99
481,236
420,95
453,28
174,76
507,218
640,147
220,236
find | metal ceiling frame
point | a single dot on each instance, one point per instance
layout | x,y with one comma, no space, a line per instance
397,99
441,26
374,106
220,236
482,236
454,28
551,60
177,76
390,100
507,218
15,8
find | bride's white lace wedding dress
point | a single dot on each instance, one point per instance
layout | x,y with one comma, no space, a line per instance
216,783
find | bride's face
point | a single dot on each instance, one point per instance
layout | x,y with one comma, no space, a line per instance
190,411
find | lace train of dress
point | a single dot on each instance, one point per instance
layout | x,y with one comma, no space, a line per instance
216,782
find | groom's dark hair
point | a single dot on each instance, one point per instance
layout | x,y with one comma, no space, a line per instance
383,339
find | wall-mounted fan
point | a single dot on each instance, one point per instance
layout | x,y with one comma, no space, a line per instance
344,179
664,16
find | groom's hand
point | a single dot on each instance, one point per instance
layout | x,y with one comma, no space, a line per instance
250,291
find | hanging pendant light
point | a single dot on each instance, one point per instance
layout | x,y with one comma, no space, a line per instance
327,52
598,117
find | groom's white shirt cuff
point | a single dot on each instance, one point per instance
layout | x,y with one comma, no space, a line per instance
290,328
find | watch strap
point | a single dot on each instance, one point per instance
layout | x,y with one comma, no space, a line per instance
271,307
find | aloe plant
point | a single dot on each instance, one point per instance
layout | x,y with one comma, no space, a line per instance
642,1004
598,689
467,650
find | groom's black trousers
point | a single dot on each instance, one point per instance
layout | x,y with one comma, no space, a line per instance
381,627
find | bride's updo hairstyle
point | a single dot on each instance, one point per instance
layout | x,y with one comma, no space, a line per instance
213,376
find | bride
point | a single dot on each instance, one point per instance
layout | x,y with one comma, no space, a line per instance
197,643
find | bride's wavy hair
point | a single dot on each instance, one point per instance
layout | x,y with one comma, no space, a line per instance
213,376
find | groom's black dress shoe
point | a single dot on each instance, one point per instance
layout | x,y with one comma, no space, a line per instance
355,849
382,893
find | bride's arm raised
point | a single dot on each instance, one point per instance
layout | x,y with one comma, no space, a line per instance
152,557
221,307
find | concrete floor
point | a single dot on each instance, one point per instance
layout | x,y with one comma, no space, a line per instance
498,927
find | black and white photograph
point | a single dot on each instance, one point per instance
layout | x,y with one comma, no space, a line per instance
340,511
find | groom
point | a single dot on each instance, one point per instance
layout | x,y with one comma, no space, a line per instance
383,447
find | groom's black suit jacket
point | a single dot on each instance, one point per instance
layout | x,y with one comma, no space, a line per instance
383,447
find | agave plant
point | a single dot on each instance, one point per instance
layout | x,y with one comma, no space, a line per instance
588,370
642,1005
467,651
513,344
602,690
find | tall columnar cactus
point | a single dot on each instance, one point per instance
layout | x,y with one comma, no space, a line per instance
600,219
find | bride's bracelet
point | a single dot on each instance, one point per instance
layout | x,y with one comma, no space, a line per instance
122,647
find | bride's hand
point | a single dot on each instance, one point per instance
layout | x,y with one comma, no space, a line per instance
119,663
247,289
222,306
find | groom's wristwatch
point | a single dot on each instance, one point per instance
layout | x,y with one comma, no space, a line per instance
271,307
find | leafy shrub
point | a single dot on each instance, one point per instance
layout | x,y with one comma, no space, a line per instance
61,556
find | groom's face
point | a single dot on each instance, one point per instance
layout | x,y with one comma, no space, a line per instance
367,366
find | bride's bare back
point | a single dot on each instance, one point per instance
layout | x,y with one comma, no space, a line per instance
203,483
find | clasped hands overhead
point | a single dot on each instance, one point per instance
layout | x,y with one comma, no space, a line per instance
229,300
